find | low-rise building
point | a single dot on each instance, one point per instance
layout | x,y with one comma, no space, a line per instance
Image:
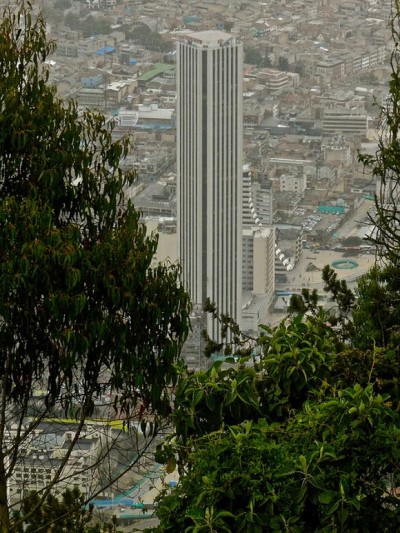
274,79
47,453
293,182
345,122
93,98
330,70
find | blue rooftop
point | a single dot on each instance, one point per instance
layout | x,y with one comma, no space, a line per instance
105,50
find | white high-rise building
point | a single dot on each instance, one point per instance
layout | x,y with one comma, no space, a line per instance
209,167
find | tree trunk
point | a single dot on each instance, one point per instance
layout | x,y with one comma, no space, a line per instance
4,510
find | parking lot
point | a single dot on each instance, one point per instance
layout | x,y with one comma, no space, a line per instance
333,224
308,270
314,222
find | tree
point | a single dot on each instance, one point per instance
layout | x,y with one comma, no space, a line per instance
84,312
95,26
338,315
66,514
327,468
306,440
72,20
376,318
283,63
148,38
252,55
266,62
228,25
385,164
88,25
352,241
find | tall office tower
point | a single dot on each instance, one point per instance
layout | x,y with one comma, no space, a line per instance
209,167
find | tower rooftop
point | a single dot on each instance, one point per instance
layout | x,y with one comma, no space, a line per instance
210,38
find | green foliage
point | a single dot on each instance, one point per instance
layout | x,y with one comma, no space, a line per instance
89,25
232,338
283,63
352,241
295,363
151,40
77,287
332,466
306,302
385,164
66,514
378,366
95,26
377,314
338,315
266,62
364,318
297,356
253,55
73,21
204,401
309,443
83,308
344,299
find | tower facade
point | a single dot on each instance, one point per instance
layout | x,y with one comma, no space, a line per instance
209,168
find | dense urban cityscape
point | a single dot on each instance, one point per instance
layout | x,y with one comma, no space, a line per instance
313,76
249,127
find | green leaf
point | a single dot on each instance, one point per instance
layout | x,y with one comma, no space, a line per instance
197,397
325,497
303,463
225,514
333,508
171,465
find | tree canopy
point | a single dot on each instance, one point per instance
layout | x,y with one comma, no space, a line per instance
65,514
252,55
88,25
303,439
84,311
148,38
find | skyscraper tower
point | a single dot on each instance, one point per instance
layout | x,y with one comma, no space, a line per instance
209,167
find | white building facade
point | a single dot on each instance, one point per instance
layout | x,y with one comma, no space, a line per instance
209,168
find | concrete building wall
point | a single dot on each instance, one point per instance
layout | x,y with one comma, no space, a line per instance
345,122
264,261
